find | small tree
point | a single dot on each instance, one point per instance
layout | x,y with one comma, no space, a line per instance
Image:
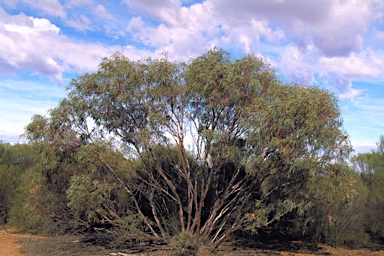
371,168
14,161
337,215
210,146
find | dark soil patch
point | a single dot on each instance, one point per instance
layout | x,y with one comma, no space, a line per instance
60,246
85,246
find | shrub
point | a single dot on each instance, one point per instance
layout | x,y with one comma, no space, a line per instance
185,242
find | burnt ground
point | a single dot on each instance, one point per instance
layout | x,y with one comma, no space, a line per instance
12,244
75,246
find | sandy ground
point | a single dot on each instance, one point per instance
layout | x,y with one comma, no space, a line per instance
10,246
8,242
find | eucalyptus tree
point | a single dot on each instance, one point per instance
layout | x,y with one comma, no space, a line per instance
202,148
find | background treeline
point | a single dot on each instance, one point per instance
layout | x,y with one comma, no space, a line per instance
28,205
193,153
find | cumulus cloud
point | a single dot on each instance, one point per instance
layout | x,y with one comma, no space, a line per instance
27,40
297,64
345,35
82,15
354,66
344,70
334,43
309,21
311,39
167,25
183,31
35,44
191,30
32,26
346,90
310,66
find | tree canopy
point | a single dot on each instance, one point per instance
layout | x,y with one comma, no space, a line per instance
201,148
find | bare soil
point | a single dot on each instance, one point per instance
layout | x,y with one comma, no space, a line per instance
12,244
8,242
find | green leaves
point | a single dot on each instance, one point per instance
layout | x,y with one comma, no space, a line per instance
14,161
370,166
87,197
216,144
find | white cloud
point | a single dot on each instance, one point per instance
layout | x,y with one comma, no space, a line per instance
186,31
378,35
32,26
180,41
299,11
367,65
81,22
49,7
79,3
319,38
9,3
350,93
162,10
296,64
304,64
331,42
334,27
325,37
101,12
341,30
35,44
28,43
27,40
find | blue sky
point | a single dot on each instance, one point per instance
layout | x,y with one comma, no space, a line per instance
335,44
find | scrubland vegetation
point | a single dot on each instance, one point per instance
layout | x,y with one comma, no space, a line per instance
188,154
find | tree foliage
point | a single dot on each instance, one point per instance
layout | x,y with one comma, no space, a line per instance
337,217
14,161
203,148
371,168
